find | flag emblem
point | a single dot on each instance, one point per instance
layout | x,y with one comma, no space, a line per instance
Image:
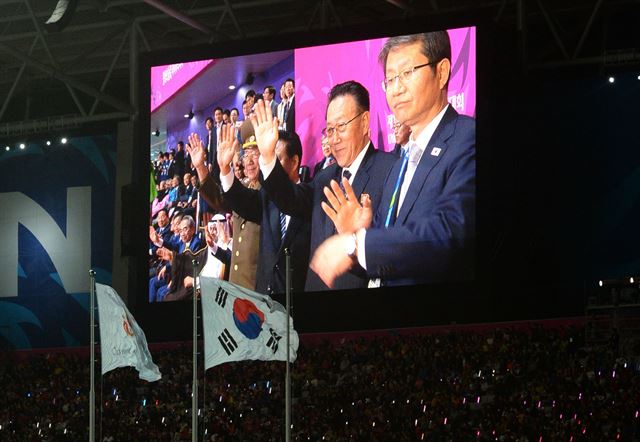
248,318
126,325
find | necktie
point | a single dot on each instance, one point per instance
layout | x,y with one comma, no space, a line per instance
283,225
393,204
345,174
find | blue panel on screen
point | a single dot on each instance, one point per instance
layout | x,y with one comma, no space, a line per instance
58,205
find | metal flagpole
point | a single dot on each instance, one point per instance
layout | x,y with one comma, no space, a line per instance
287,403
194,387
92,364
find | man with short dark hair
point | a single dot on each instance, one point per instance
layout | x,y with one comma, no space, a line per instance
289,116
424,228
356,160
269,96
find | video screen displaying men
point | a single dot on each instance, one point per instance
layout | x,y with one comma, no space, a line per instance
391,200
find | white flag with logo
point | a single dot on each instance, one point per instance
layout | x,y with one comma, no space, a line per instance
122,341
240,324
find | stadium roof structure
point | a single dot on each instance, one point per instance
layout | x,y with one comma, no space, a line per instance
78,69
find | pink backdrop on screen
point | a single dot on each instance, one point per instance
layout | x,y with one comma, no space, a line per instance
318,69
168,79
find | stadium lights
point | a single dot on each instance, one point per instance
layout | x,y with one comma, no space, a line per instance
22,146
7,148
631,280
600,283
612,79
233,86
189,115
63,140
48,143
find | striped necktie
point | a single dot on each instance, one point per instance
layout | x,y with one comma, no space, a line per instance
393,204
283,225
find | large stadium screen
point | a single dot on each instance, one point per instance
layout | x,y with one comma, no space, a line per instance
357,159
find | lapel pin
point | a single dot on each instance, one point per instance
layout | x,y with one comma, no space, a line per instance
436,151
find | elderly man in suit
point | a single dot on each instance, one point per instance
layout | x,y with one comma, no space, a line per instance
424,228
278,231
364,167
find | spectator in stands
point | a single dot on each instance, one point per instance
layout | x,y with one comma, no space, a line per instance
233,116
179,159
327,159
289,116
269,96
281,106
402,132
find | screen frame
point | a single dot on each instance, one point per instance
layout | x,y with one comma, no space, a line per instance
386,307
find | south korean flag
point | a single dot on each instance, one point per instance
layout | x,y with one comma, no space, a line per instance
240,325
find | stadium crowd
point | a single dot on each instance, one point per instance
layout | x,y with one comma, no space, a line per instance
526,383
184,224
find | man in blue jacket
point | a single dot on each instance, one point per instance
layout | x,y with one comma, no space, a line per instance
424,228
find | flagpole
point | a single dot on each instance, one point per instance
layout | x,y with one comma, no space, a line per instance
194,387
92,365
287,401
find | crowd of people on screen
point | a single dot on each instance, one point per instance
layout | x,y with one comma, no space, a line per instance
183,225
528,382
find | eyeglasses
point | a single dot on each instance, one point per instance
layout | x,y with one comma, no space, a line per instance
339,128
250,153
403,77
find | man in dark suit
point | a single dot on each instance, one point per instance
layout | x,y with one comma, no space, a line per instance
269,96
401,133
356,159
278,231
290,106
211,141
327,159
424,228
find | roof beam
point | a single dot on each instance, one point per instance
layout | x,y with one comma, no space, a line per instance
195,24
56,73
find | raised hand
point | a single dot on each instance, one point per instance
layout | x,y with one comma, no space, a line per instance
153,235
222,232
227,147
210,237
265,127
197,151
347,214
165,254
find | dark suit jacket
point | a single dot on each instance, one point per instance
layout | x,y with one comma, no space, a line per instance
318,167
434,234
179,162
212,154
254,205
290,117
303,201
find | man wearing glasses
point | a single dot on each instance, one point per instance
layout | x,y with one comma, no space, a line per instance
424,228
357,161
